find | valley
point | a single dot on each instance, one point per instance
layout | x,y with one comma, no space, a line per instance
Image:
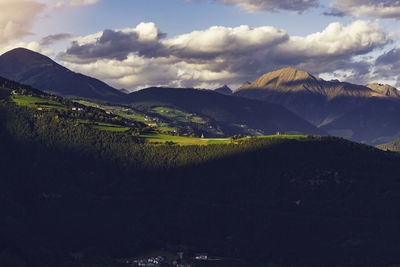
163,171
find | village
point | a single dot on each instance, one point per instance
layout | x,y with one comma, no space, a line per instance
179,260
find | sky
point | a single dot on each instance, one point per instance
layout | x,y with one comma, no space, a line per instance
135,44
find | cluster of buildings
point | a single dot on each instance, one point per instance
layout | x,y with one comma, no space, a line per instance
150,262
161,261
78,109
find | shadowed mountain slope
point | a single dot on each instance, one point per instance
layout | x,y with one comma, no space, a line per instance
225,90
74,196
233,113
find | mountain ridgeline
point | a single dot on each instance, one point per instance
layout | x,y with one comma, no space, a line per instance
361,113
223,116
75,195
232,115
31,68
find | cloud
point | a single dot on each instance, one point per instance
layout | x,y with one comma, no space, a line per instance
220,41
34,46
220,55
16,18
333,48
76,3
297,6
50,39
116,44
388,65
368,8
59,4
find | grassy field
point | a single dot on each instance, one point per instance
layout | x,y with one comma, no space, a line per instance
158,117
36,102
124,112
179,115
182,140
104,126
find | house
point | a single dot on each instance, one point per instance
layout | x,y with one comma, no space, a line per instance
202,256
78,109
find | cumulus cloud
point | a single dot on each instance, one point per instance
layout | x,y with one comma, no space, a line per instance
34,46
218,41
332,48
111,44
369,8
219,55
17,17
50,39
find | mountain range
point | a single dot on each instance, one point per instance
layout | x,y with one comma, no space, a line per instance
233,115
229,115
360,113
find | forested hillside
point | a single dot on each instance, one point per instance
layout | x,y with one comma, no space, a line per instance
74,195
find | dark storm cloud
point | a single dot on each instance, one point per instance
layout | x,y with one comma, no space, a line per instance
115,45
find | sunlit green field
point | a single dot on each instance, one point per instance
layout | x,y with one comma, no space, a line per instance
124,112
178,115
36,102
182,140
104,126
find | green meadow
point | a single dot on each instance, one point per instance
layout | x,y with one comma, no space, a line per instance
183,140
36,102
104,126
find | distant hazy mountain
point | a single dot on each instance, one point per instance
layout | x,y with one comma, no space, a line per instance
225,90
28,67
233,114
125,91
362,113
